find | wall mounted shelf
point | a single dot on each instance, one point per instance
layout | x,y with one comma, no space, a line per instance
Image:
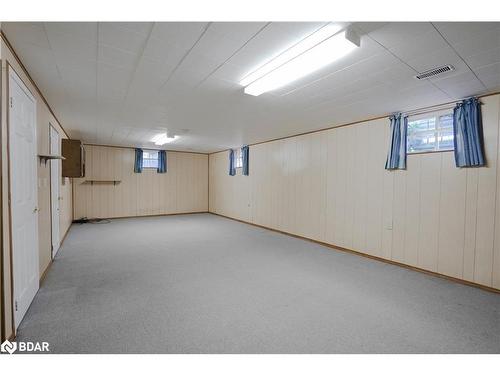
46,157
114,182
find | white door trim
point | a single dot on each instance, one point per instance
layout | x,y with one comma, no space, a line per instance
55,187
32,285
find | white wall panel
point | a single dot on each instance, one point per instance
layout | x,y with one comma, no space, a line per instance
451,217
430,193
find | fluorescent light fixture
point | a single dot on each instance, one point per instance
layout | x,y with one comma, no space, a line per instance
312,53
162,138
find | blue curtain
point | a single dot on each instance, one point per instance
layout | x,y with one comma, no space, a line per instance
396,157
468,134
244,153
162,162
232,169
138,160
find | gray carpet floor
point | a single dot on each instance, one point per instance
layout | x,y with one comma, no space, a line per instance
205,284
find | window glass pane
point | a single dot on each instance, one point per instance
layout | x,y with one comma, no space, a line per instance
446,122
422,124
421,141
433,133
238,158
150,159
446,139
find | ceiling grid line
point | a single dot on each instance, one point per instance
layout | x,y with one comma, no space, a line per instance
456,52
138,61
408,65
233,54
205,29
66,96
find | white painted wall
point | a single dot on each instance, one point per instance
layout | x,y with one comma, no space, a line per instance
331,186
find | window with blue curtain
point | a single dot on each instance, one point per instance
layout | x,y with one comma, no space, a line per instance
396,157
162,162
138,160
232,168
244,156
468,134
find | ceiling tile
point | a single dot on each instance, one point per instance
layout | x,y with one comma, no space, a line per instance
117,57
121,38
77,47
490,75
421,44
395,34
458,32
82,30
484,58
142,28
26,32
478,43
460,85
183,34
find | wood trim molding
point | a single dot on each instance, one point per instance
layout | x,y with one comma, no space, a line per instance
373,257
2,281
153,215
133,148
354,123
44,274
9,179
9,46
427,152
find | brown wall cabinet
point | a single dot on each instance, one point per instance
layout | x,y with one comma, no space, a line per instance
74,163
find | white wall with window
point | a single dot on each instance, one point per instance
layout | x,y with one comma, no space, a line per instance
430,132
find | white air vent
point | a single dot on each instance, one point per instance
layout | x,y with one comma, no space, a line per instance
434,72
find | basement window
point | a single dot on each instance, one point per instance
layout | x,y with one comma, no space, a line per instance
238,158
430,132
150,159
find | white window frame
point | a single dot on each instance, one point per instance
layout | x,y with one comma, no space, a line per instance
436,115
144,158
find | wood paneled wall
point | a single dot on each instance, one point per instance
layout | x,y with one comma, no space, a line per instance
331,186
183,189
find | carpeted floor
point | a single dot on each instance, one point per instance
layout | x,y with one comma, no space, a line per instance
205,284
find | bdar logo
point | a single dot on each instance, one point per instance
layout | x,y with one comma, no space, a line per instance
8,347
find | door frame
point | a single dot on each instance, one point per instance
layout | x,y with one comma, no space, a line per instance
2,287
52,222
11,72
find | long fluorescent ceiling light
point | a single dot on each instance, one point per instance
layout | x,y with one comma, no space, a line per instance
312,53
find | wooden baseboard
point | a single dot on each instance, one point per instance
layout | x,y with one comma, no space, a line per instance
44,274
65,234
153,215
373,257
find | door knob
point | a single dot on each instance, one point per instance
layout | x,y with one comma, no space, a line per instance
35,210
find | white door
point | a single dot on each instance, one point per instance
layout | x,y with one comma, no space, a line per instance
23,194
54,188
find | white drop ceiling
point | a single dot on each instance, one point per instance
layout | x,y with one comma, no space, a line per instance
122,83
